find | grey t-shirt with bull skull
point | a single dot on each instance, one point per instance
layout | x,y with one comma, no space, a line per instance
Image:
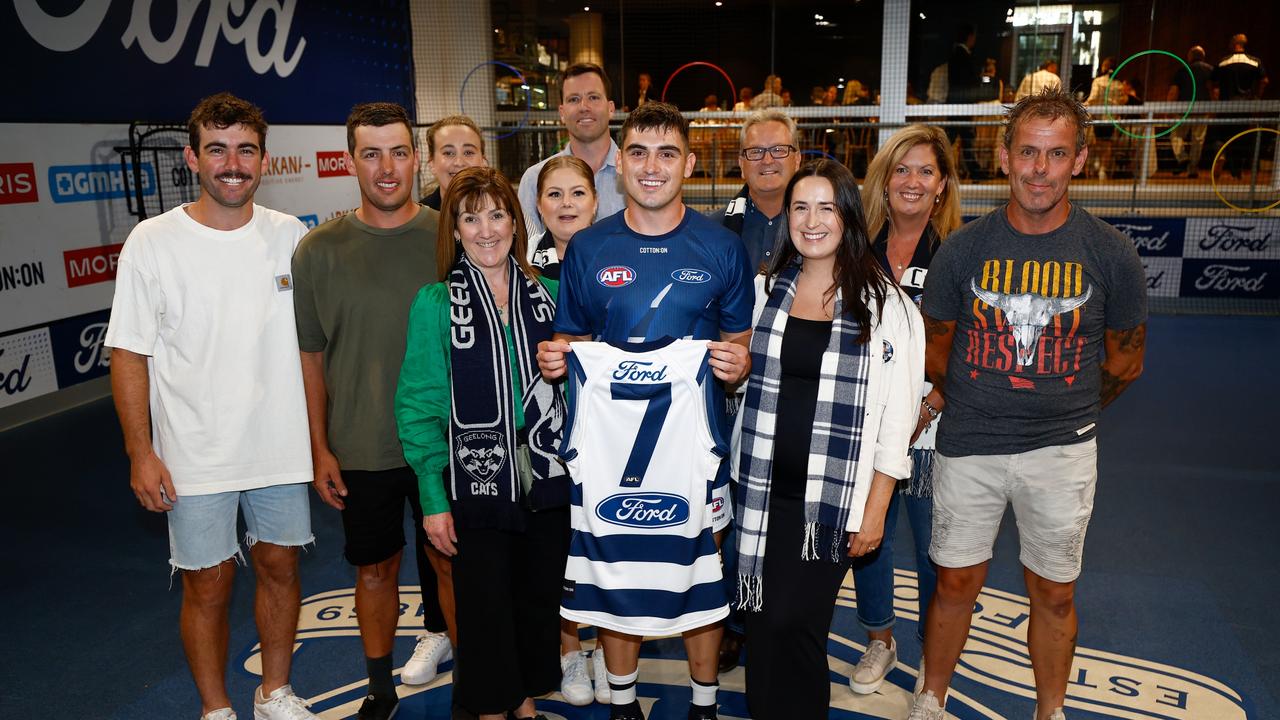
1030,312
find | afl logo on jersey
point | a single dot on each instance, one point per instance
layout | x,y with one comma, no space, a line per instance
616,276
644,510
690,275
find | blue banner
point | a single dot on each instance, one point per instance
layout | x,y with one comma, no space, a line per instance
1153,237
126,60
78,352
1231,278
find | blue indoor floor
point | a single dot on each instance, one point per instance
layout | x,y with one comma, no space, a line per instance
1180,573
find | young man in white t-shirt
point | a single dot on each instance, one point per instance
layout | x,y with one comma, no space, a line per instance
208,386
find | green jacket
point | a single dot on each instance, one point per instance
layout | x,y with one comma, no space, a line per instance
423,396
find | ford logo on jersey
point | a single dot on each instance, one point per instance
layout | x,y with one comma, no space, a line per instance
690,275
639,371
616,276
644,510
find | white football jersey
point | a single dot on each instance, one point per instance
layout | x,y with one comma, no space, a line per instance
643,451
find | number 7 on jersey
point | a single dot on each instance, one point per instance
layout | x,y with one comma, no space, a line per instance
658,395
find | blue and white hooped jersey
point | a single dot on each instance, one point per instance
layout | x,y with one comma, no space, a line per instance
643,450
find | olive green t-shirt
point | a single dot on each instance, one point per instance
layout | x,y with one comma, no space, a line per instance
352,288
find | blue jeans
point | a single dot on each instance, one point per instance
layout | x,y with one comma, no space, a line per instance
873,574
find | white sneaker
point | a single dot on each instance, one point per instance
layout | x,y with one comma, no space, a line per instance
431,650
219,714
575,684
282,704
870,672
1056,715
926,707
600,676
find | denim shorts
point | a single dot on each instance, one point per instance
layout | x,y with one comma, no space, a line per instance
1051,490
202,528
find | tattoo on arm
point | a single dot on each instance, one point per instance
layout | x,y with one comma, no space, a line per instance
937,338
1125,349
1112,386
934,329
1133,340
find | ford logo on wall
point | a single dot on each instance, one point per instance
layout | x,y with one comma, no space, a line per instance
690,275
644,510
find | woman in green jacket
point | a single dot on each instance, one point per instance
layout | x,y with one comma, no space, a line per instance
481,428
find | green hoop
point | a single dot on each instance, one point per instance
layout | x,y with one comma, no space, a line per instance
1106,94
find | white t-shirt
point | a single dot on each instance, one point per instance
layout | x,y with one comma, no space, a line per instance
213,310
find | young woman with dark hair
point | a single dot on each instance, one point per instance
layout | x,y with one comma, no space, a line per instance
837,367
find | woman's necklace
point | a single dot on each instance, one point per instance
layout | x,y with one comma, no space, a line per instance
901,262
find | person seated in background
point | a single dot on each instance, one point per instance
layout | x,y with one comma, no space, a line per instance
771,96
831,96
745,94
643,83
855,93
710,103
817,95
1046,78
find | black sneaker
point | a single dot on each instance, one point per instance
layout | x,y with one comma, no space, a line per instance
378,708
630,711
702,712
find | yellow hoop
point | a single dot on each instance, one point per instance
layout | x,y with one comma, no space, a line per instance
1213,178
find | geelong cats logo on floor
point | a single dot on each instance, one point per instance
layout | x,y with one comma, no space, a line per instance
1104,683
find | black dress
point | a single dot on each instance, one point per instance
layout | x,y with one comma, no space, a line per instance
787,673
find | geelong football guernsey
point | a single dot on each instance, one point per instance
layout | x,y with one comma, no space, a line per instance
642,560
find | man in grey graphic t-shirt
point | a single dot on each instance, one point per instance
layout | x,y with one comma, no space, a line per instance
1035,319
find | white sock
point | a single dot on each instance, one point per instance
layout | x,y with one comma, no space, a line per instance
703,694
622,688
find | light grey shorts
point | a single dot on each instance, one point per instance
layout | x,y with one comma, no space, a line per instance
202,528
1051,490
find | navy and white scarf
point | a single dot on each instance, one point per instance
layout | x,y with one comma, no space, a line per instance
484,483
833,450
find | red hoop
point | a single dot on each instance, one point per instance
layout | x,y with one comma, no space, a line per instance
733,91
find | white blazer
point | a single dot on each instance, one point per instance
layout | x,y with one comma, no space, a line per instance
894,388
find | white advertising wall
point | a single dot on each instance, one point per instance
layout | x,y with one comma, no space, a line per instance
65,214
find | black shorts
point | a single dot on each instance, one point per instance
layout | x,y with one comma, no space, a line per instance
373,520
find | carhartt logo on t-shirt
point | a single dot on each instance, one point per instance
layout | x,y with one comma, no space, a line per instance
284,283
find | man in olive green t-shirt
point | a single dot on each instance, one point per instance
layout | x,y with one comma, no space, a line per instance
354,280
